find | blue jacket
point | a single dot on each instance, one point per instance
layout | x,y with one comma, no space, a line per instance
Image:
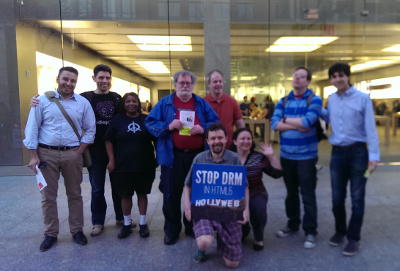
296,145
163,113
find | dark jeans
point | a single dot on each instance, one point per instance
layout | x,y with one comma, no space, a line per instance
97,177
171,185
349,163
303,174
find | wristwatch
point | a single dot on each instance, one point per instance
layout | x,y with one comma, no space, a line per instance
284,119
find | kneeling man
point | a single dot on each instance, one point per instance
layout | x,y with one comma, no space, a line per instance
229,232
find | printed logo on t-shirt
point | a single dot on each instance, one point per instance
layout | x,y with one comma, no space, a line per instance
105,109
134,127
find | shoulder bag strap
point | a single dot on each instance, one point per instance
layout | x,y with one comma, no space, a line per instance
52,98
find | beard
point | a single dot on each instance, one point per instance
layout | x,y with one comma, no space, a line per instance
217,148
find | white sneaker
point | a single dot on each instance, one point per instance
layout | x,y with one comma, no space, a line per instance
285,232
96,230
310,241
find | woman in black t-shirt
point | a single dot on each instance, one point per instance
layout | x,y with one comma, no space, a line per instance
130,148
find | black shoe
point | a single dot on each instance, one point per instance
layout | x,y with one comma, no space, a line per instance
257,247
200,256
189,232
80,238
125,231
351,248
336,239
169,240
245,231
47,242
144,231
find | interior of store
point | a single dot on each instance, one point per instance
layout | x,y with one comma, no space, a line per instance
144,55
257,44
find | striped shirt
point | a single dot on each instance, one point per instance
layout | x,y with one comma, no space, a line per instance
256,164
297,145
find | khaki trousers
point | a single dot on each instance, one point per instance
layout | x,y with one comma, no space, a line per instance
69,164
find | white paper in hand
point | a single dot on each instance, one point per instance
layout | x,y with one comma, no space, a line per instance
187,118
41,182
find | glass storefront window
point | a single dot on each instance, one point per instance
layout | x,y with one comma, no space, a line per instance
253,42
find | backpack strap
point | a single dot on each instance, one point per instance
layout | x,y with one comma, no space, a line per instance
52,98
285,99
309,99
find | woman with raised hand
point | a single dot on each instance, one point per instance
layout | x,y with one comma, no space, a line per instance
256,163
132,163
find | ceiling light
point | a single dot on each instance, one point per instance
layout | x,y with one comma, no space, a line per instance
370,64
394,48
153,66
299,44
165,47
247,78
292,48
244,78
162,43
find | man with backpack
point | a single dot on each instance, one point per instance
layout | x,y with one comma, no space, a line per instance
51,139
105,105
295,117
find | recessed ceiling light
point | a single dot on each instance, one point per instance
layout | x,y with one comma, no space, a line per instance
162,43
370,64
299,44
394,48
154,66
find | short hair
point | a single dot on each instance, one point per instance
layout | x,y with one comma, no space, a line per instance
245,97
233,147
67,69
339,67
216,126
309,73
185,73
208,76
268,98
101,68
122,103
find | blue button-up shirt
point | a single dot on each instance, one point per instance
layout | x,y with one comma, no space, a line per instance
352,120
47,125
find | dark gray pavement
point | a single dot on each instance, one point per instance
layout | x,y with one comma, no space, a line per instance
21,229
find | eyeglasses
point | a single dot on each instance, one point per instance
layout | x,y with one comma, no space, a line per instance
301,76
182,84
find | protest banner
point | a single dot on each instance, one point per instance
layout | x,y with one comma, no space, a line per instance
218,192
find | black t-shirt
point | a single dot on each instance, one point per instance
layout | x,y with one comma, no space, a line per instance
132,142
271,108
105,108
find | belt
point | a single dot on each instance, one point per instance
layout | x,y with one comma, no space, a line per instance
343,148
189,151
57,148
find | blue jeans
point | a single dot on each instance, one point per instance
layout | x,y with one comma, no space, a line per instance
97,177
349,163
301,174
